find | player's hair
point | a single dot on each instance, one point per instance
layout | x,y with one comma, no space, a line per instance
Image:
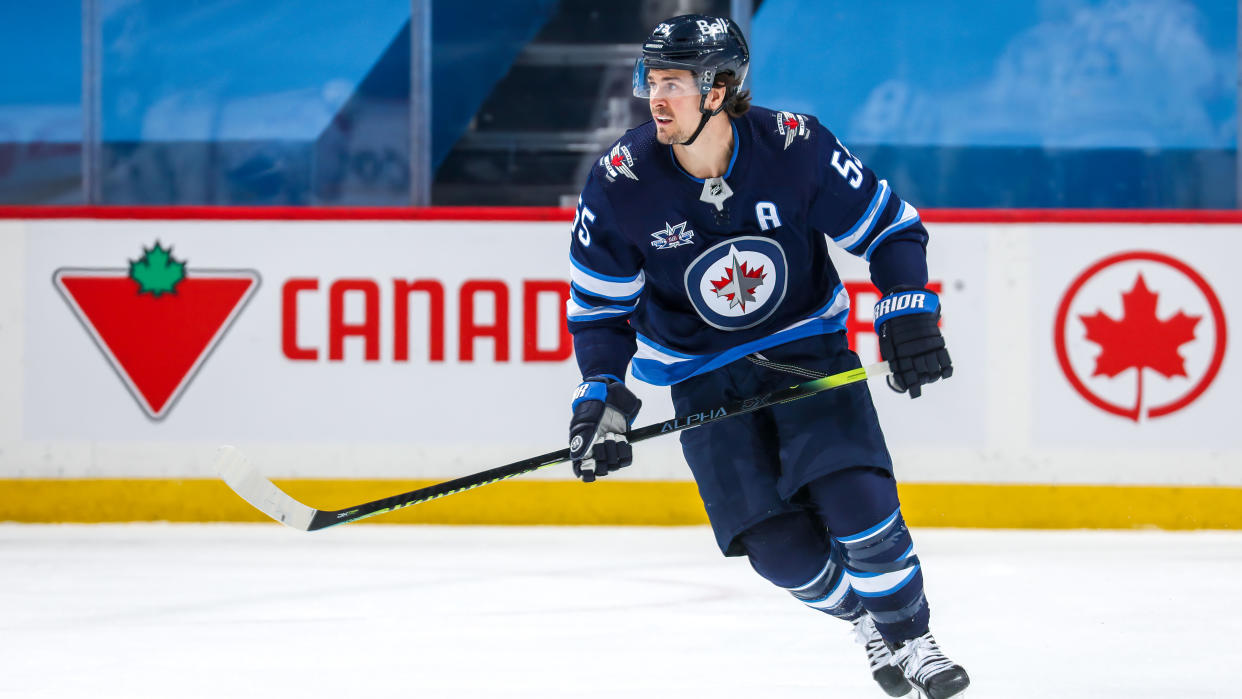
740,104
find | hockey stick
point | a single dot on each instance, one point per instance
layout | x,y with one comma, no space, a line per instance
243,478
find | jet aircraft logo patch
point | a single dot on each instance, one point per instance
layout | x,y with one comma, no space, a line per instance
791,126
619,161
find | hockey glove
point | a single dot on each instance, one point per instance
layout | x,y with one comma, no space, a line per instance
907,323
603,410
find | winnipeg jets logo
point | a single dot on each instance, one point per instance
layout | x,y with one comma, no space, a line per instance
791,126
738,283
672,237
619,160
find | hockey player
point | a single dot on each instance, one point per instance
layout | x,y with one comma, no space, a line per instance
699,260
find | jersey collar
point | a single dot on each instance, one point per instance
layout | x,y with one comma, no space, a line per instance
737,143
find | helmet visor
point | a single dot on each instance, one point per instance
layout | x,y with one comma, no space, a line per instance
669,79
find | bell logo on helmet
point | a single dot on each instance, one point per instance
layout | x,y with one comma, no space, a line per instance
711,29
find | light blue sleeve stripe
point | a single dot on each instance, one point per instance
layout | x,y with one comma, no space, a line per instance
573,294
631,297
593,284
579,313
904,221
865,224
852,246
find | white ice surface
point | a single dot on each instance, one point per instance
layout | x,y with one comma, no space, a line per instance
228,611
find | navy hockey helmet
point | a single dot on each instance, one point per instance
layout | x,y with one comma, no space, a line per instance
705,46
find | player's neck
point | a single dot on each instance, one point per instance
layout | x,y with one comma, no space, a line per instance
710,153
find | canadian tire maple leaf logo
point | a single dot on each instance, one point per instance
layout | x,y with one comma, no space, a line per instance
156,321
156,271
1139,338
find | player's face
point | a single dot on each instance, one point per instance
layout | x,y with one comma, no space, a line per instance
674,104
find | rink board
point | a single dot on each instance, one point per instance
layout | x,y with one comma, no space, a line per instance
648,503
371,352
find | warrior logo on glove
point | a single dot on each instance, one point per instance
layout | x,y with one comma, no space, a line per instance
907,322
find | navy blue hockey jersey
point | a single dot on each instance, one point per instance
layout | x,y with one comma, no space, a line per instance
667,273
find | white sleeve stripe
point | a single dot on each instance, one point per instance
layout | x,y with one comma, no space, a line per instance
599,276
864,226
631,297
609,288
579,313
587,303
907,216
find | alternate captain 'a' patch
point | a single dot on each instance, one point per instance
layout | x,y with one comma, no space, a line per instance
791,126
619,161
672,236
738,283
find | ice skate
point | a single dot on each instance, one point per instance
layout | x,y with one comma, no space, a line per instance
927,668
885,672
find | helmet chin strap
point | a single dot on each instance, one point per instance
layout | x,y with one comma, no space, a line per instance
707,115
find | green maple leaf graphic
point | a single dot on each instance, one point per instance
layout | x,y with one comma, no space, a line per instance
158,272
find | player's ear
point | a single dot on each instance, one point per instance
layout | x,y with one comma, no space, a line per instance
715,98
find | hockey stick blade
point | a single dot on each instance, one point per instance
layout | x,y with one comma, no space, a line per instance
275,503
246,481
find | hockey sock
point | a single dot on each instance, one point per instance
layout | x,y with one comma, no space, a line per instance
882,568
830,591
793,551
861,508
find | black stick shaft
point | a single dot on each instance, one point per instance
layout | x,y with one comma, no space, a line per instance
328,518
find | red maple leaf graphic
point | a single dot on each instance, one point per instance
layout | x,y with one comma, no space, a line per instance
616,160
791,123
756,276
1140,340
